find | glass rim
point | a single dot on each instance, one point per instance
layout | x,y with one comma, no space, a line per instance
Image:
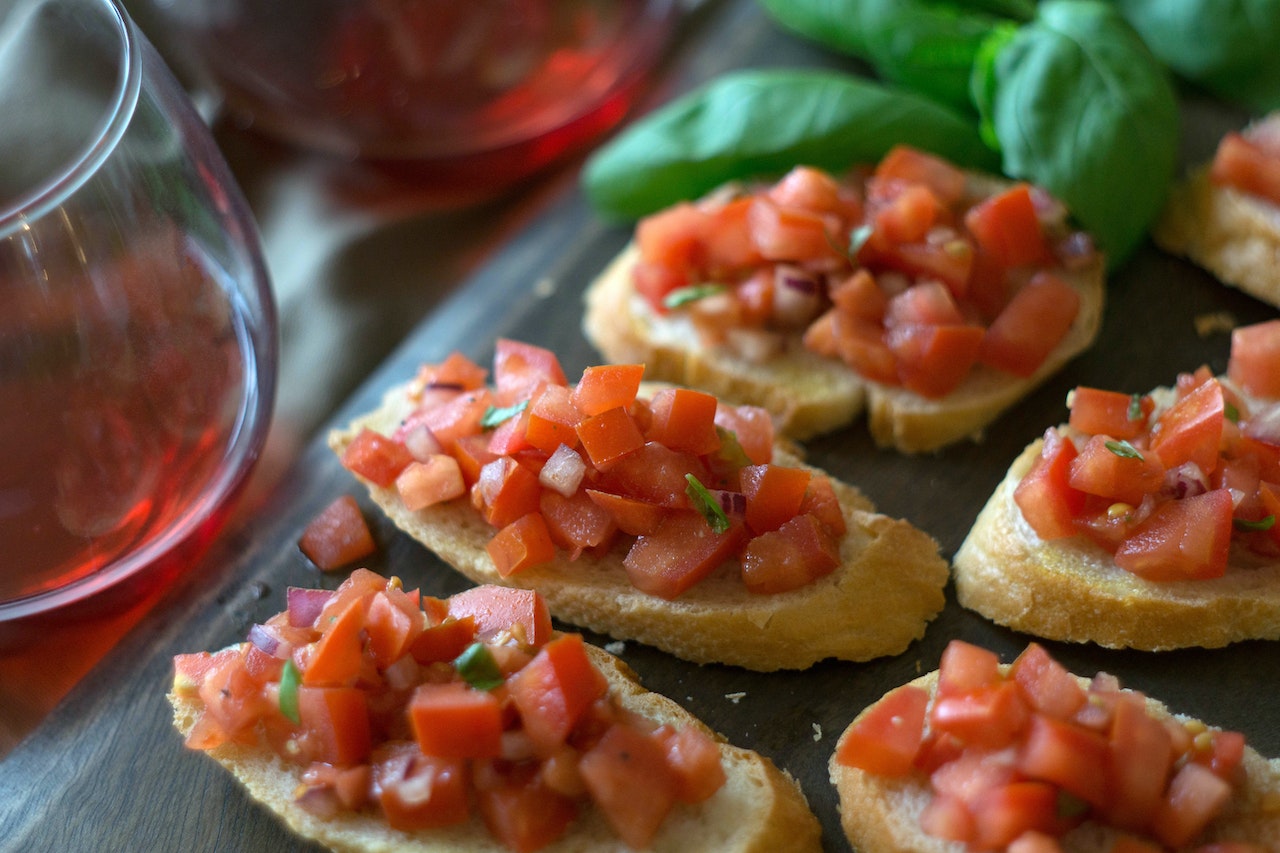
100,144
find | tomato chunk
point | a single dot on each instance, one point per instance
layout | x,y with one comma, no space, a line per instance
453,720
629,779
886,738
682,550
555,689
1182,540
338,536
1255,359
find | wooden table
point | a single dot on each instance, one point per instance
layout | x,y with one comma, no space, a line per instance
369,291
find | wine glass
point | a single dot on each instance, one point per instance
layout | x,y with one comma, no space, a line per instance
138,331
469,96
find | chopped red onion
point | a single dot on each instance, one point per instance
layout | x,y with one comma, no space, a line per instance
264,640
563,471
304,605
1076,251
422,443
1264,424
797,297
733,503
1185,481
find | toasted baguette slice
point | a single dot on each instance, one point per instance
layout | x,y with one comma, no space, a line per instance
889,586
759,808
882,815
809,394
1071,589
1231,234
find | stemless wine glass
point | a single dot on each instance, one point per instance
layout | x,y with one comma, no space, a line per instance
137,327
478,94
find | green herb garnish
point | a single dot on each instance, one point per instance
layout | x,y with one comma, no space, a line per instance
682,296
1261,524
493,416
289,678
1123,449
731,449
478,668
1230,412
1135,407
706,504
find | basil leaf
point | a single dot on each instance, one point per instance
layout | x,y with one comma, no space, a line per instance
289,680
493,416
706,504
756,123
1261,524
477,667
927,46
1123,449
684,295
1082,108
1228,47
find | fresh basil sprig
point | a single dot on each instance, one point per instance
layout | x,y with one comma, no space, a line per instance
763,122
706,504
288,696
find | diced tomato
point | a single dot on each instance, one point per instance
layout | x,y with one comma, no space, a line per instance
472,454
1241,163
607,387
417,791
499,608
452,420
1045,684
813,189
506,491
554,690
337,655
1225,753
970,773
630,781
522,813
436,480
990,717
392,622
609,437
753,427
1044,494
1183,539
375,457
336,720
456,371
948,818
1035,841
578,522
928,303
694,759
444,641
795,554
1139,759
915,166
791,233
337,536
1031,326
632,516
679,553
1068,756
674,237
512,435
1002,814
684,419
965,668
934,360
774,494
858,343
1098,412
1191,429
190,670
551,419
452,720
519,369
1255,359
908,216
655,283
860,297
727,243
1107,469
885,739
1008,228
1194,798
523,543
654,474
821,502
950,262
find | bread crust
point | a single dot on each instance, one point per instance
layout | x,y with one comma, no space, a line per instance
809,394
1072,590
1231,234
888,587
759,808
883,815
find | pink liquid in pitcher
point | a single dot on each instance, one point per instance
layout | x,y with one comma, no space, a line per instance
122,392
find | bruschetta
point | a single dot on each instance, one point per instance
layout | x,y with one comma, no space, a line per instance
1028,758
1225,216
1146,521
658,515
928,297
371,718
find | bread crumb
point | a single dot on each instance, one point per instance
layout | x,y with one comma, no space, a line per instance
735,698
817,732
616,648
1216,321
